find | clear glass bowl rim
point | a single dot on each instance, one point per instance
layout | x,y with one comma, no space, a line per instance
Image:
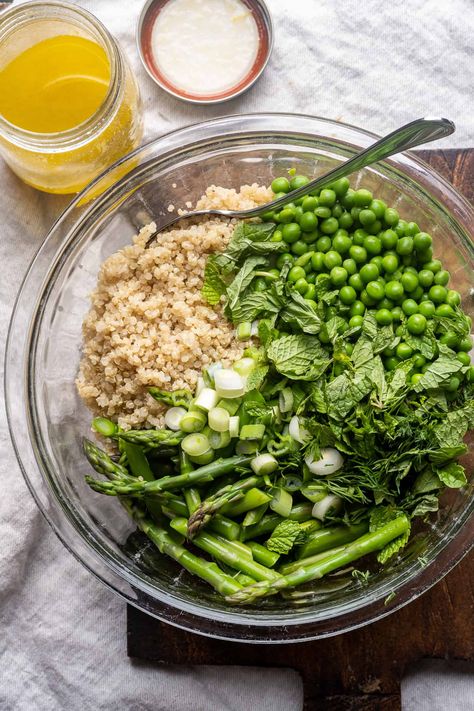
234,626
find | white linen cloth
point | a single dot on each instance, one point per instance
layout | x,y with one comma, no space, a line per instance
62,641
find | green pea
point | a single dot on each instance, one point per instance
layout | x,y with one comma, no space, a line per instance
405,246
358,254
415,378
286,215
391,216
403,351
434,266
341,242
312,303
277,236
357,308
416,324
444,311
425,277
386,304
324,244
378,207
317,261
280,185
259,284
391,363
397,313
383,317
425,256
422,241
309,203
409,307
356,282
389,239
427,308
453,384
453,298
299,247
301,286
347,200
367,299
377,261
327,197
308,221
310,292
411,229
332,259
450,338
390,263
296,273
418,293
269,216
409,281
470,375
347,294
466,344
298,181
356,321
419,360
338,276
375,228
394,290
311,278
284,258
340,186
323,334
369,272
350,266
299,214
375,290
463,358
438,294
323,211
372,244
362,197
346,221
400,228
310,237
329,226
367,217
358,237
291,232
442,277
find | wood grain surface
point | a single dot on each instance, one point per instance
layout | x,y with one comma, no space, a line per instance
359,670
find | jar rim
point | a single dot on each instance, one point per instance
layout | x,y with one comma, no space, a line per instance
18,17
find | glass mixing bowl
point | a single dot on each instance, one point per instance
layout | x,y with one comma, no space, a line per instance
47,418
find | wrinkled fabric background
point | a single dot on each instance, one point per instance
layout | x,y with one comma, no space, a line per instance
62,641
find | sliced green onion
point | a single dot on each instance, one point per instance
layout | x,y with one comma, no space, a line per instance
285,400
230,405
229,384
218,419
192,421
263,555
195,444
211,370
330,461
246,447
173,418
252,432
207,399
219,440
264,463
244,366
104,427
244,331
281,502
234,426
298,433
330,504
200,385
204,458
314,493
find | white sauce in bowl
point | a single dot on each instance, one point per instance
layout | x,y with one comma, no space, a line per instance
205,47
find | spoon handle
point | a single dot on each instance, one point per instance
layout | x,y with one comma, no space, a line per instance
408,136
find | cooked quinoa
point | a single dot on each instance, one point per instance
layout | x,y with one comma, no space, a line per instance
148,324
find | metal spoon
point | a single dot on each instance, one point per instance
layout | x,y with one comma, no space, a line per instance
412,134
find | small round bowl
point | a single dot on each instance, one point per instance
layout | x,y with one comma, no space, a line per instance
264,24
47,419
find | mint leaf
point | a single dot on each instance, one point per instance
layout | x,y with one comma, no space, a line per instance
438,373
452,475
299,312
214,286
242,280
299,357
445,454
378,518
284,537
451,430
344,393
425,505
256,377
252,305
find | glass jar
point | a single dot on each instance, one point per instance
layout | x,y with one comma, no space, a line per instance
65,161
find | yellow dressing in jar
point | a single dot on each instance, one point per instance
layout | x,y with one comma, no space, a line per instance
69,104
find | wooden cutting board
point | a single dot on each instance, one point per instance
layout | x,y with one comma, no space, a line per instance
359,670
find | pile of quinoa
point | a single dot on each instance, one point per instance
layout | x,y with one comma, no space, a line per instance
148,324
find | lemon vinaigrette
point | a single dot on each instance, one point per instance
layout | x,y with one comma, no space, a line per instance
69,104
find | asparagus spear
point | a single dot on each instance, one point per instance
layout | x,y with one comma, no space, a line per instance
367,543
151,439
191,495
226,495
299,512
328,538
227,552
102,462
